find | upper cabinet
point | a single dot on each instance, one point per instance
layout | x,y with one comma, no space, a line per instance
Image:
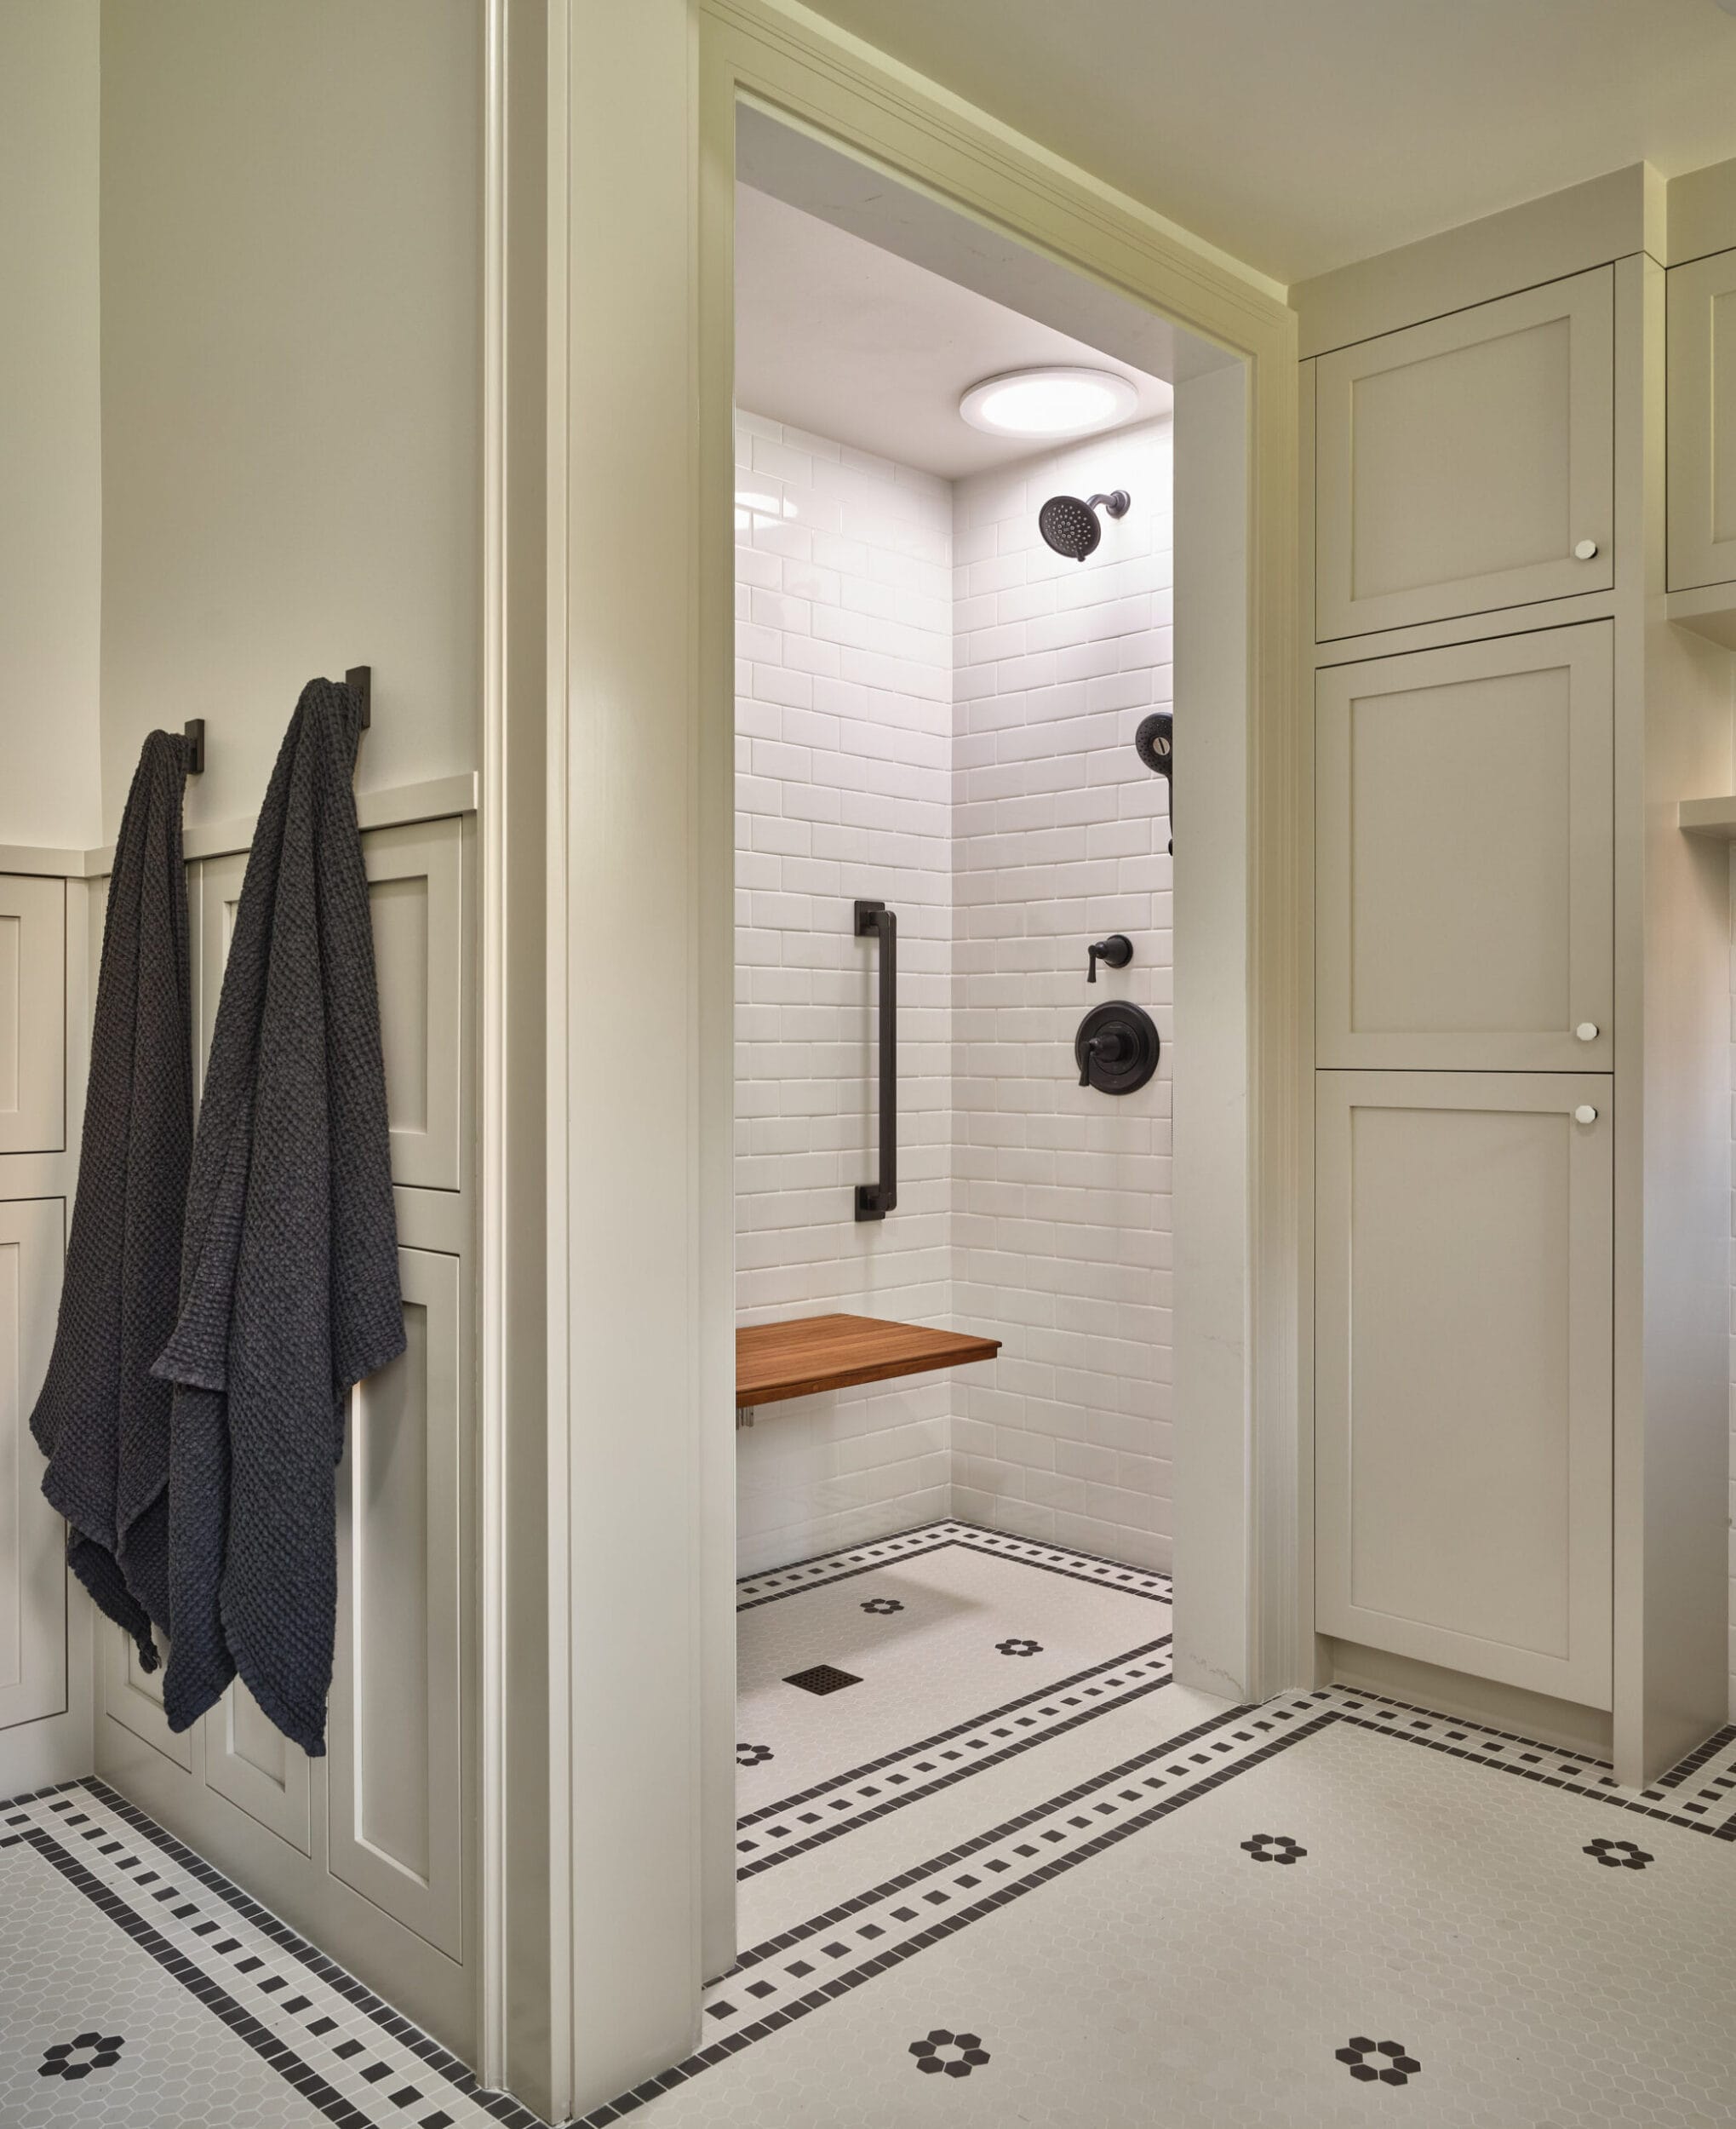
1702,398
1467,464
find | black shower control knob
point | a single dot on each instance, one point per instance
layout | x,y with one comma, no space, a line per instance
1117,1046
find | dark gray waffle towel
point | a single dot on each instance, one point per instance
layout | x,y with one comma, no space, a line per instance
289,1290
101,1420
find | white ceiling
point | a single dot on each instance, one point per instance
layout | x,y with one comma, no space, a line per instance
836,335
1298,134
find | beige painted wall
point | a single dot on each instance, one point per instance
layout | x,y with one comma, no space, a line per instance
291,378
50,424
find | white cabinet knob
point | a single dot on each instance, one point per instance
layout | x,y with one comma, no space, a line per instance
1584,550
1585,1113
1587,1030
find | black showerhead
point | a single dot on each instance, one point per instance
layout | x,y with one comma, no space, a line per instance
1071,526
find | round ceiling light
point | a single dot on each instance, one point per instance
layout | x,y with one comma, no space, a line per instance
1048,403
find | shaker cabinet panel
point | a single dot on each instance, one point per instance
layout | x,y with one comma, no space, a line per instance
416,891
249,1760
397,1801
33,1537
1467,464
1464,892
1463,1386
1702,419
415,894
32,1014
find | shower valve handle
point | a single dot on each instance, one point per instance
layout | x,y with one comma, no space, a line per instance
1117,950
1109,1049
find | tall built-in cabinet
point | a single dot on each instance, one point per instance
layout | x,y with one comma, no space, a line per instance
1521,986
45,1647
371,1849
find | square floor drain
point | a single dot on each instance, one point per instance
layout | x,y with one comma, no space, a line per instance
822,1678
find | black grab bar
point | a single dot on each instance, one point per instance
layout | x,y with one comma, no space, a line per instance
873,1201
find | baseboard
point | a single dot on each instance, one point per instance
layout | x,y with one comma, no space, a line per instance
1509,1707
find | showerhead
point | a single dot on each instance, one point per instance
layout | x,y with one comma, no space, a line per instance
1071,527
1155,741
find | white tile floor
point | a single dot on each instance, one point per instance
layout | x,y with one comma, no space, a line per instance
1010,1872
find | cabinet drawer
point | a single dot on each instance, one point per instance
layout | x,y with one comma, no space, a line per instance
1461,463
1702,399
1465,894
1464,1372
32,1014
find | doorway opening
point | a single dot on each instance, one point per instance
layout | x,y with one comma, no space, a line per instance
967,665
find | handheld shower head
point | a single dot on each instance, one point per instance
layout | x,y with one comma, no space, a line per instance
1071,526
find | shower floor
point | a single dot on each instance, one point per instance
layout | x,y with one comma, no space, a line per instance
981,1828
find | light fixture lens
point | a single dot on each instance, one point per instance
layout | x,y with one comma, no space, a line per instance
1048,403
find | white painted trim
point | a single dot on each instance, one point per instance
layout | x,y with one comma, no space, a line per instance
44,864
434,800
491,887
562,1801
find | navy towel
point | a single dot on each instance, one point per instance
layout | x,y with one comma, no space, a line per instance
289,1291
102,1421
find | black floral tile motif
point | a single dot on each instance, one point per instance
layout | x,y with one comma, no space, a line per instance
822,1678
1273,1848
882,1607
1017,1647
73,2059
1367,2060
1619,1855
949,2054
752,1755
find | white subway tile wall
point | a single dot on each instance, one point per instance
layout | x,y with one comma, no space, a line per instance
1063,1233
844,784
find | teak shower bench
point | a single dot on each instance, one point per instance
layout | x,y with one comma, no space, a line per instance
798,1359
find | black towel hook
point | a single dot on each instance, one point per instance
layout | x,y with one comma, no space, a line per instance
359,678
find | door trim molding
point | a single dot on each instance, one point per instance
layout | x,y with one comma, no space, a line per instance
639,779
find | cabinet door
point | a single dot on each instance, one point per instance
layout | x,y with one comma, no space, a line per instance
32,1014
1459,464
415,890
1463,1373
1464,892
33,1537
133,1697
1702,397
396,1810
249,1760
415,894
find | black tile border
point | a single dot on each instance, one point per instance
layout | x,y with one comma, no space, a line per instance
819,1925
264,2043
945,1736
995,1544
1455,1742
427,2050
1695,1760
957,1775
